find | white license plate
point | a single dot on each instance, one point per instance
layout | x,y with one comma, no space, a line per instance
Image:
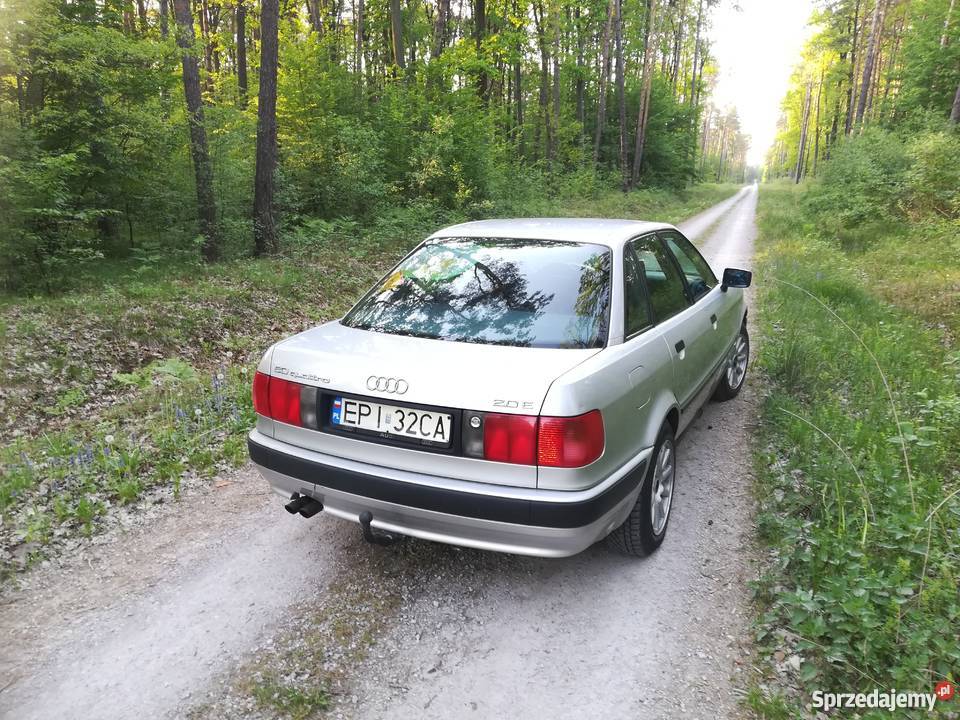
400,421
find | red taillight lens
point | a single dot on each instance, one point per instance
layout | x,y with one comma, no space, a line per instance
276,398
570,442
510,438
285,401
261,398
566,442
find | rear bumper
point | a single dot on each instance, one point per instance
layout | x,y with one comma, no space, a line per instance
549,523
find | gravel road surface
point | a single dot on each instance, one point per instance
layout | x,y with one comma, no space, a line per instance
183,611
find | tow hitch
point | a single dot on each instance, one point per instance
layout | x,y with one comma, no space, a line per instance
306,506
372,535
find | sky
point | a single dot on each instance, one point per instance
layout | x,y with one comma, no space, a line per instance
756,44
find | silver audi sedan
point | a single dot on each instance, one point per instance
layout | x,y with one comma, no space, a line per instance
511,385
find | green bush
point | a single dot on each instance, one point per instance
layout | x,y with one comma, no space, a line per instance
861,184
879,178
932,184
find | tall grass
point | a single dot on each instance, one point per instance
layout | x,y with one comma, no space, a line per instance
857,468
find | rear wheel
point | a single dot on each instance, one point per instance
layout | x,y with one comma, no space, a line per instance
731,383
646,525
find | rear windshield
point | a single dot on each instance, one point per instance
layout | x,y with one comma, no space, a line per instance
529,293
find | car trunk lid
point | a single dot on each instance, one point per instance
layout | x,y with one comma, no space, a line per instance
433,372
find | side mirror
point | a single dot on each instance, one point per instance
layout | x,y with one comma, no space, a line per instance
732,277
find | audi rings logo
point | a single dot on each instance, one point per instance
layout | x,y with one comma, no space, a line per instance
387,384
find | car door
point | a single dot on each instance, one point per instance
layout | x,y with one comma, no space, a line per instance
704,293
673,315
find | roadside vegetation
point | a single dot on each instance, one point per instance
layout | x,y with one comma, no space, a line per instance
121,390
857,454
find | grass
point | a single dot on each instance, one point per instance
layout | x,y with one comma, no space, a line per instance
136,376
295,702
856,458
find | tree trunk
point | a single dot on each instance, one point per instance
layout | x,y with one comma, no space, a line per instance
142,15
816,125
696,57
851,77
555,115
539,19
876,26
264,227
644,112
202,168
704,140
604,79
479,33
440,27
677,46
581,83
955,113
805,115
396,31
518,89
946,25
723,147
359,49
313,15
164,12
241,21
621,99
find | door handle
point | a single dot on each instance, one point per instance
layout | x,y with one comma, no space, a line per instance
713,318
680,346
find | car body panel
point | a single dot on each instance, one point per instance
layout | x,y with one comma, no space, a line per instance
637,383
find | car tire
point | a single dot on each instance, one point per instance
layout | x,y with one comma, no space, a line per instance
735,370
643,531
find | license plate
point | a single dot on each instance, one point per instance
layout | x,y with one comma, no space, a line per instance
404,422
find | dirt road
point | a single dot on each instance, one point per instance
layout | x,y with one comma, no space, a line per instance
184,612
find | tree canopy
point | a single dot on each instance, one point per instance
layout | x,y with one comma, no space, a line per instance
378,103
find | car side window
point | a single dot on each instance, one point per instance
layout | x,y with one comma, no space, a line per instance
699,276
636,309
664,284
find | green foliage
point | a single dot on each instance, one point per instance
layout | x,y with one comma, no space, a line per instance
296,702
879,177
864,550
671,153
932,184
95,157
828,105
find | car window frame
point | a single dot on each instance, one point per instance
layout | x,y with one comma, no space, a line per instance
435,239
628,249
655,236
661,235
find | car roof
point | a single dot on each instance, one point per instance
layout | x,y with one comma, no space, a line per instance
590,230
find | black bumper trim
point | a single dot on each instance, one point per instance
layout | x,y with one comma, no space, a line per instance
452,502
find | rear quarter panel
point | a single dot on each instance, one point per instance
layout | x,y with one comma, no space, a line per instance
630,384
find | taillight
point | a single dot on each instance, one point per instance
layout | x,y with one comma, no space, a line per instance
510,438
570,442
277,398
566,442
261,399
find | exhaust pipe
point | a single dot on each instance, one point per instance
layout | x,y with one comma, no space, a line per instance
306,506
311,508
374,536
297,501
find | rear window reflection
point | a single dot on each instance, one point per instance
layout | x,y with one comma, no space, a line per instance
528,293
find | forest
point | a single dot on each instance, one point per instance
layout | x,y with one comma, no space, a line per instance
857,456
148,128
